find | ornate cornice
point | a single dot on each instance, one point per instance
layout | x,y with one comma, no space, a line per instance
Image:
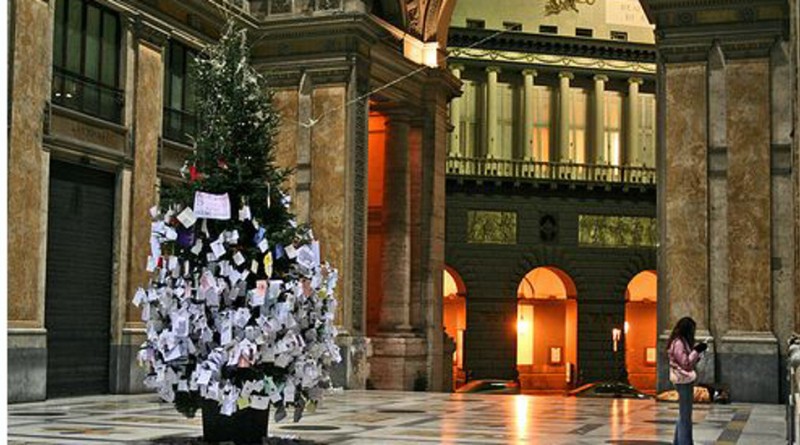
552,60
687,30
552,45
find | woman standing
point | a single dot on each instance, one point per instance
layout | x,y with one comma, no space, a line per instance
683,357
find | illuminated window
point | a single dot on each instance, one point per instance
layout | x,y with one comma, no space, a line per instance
505,120
542,98
470,119
647,130
577,126
610,152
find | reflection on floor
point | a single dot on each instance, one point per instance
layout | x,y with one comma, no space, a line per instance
382,417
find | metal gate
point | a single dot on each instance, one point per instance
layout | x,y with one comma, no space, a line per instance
78,296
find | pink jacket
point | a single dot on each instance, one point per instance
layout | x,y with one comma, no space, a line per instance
682,360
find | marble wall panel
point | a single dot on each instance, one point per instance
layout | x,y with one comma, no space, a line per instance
748,194
285,102
328,159
147,121
686,193
27,181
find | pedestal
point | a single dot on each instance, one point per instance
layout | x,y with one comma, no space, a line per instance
748,362
398,362
352,372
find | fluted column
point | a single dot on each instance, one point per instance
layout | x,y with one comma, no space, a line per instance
455,117
528,117
597,148
563,115
492,150
632,127
396,261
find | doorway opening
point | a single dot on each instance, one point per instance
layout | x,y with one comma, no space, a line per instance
455,320
547,330
640,330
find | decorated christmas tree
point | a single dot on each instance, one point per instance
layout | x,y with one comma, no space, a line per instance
239,308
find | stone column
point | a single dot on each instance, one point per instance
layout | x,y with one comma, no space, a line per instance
398,353
492,149
396,261
528,117
563,115
597,149
455,117
632,145
28,184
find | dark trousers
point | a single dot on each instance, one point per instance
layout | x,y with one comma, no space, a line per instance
683,429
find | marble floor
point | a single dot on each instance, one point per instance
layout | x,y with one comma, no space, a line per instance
395,418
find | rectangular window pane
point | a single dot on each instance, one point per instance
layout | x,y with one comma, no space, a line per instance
577,133
58,37
177,74
505,120
611,151
541,122
91,49
74,27
111,48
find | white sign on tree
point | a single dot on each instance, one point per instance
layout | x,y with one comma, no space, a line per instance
211,206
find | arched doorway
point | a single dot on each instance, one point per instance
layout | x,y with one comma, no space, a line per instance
547,330
640,330
454,313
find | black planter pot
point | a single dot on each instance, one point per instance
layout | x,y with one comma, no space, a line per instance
245,427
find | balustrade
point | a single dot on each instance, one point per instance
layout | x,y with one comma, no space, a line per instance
556,171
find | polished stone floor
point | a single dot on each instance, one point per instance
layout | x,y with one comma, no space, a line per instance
381,417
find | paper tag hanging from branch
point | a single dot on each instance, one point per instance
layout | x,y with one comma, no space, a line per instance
211,206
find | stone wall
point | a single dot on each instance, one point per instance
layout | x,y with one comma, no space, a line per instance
492,272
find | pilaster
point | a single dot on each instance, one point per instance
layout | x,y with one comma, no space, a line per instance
597,147
492,148
28,184
564,120
528,77
455,117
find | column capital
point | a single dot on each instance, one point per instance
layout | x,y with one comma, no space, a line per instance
601,78
566,75
456,66
530,72
635,80
493,69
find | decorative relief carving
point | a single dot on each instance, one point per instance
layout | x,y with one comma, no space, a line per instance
491,227
617,231
560,61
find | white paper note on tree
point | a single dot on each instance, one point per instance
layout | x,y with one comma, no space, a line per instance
211,206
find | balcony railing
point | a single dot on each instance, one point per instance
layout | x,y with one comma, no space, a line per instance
554,171
179,125
87,96
288,7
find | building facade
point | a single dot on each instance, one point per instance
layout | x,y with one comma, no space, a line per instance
102,112
100,108
551,194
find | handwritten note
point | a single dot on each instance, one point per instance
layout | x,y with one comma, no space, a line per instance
211,206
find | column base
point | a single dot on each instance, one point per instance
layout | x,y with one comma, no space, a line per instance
748,363
352,372
27,365
127,377
399,362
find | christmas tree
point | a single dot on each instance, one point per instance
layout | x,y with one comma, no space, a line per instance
239,308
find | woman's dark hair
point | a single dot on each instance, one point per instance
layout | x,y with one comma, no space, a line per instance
684,329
